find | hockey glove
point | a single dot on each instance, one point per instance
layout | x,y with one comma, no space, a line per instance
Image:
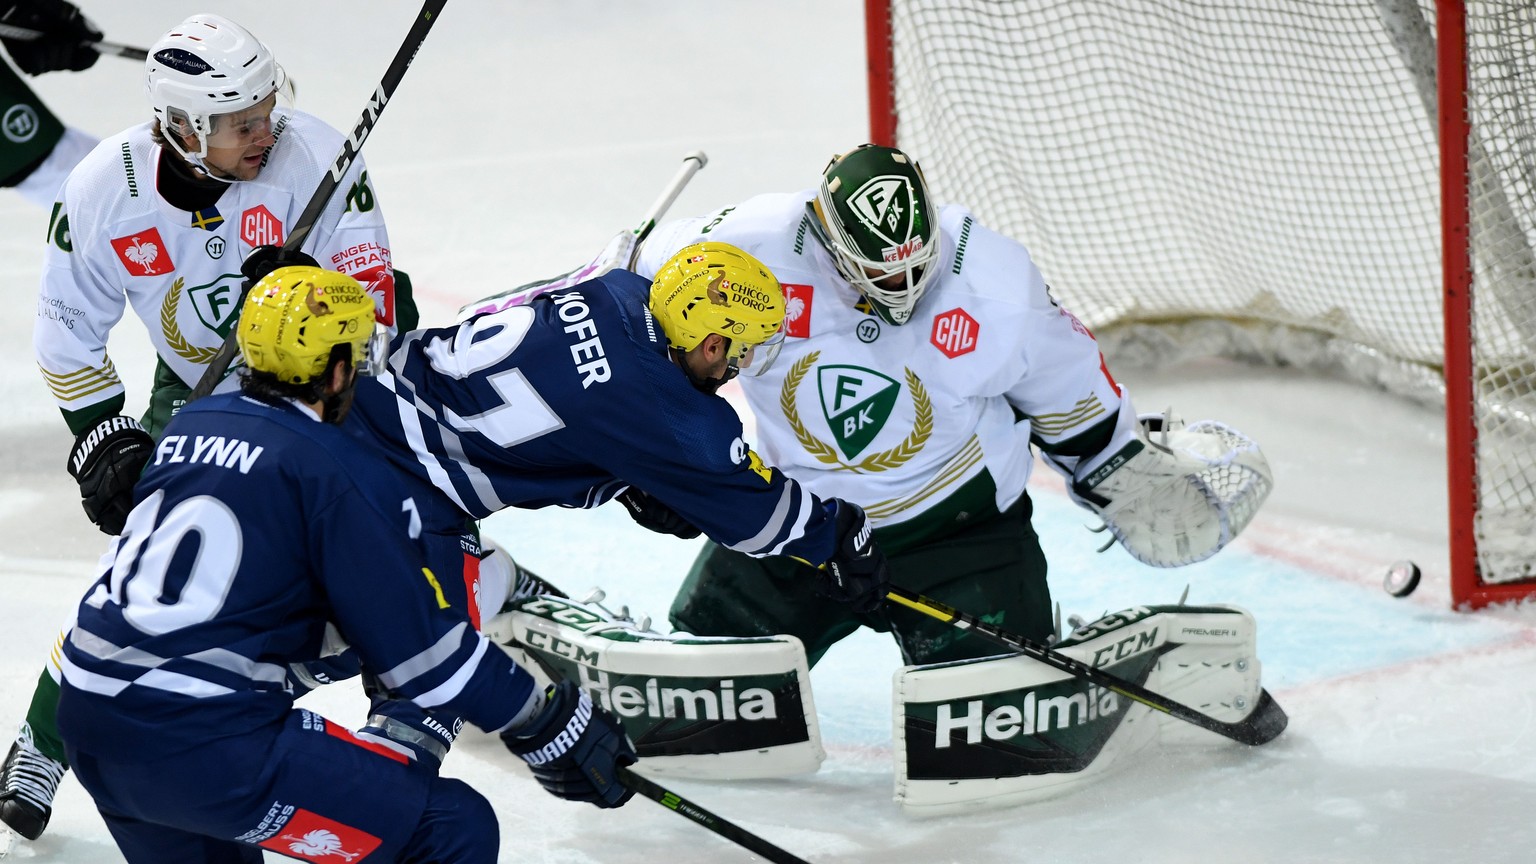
106,461
575,748
306,676
656,516
62,43
265,259
857,573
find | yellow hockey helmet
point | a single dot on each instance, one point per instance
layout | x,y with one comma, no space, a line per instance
295,315
717,288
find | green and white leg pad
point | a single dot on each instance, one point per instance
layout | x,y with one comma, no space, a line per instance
702,707
1008,730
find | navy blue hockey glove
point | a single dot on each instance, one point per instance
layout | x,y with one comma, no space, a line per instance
304,677
857,574
106,461
265,259
404,724
652,514
575,748
62,43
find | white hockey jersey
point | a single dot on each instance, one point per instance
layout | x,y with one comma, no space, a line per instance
900,419
114,242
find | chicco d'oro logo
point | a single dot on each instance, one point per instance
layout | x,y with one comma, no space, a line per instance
20,123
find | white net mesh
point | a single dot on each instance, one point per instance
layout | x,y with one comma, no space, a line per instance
1255,180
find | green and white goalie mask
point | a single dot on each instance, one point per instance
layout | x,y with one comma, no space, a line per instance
714,708
873,213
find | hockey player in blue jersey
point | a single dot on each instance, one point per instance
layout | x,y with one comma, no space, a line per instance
262,533
607,389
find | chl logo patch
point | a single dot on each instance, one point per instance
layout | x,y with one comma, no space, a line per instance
313,837
258,227
144,254
955,333
797,310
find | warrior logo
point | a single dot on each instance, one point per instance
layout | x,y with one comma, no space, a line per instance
20,123
143,254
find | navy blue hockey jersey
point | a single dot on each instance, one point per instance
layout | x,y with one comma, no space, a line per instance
568,401
257,528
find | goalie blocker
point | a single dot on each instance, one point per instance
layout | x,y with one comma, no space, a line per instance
714,708
1008,730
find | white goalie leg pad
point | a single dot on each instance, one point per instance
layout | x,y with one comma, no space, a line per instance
715,708
1010,730
1173,494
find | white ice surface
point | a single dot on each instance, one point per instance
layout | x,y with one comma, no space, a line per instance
527,133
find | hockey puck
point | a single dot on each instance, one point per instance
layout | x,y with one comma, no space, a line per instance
1402,578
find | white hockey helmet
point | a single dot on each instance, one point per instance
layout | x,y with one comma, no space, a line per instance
206,66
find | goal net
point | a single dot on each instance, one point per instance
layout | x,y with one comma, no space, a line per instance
1263,181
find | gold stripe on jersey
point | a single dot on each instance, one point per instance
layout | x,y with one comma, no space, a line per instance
1056,425
173,338
81,382
954,472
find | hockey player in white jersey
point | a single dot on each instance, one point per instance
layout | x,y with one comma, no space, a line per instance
924,356
159,218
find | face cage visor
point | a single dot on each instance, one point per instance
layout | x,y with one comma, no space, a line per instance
375,358
897,300
757,359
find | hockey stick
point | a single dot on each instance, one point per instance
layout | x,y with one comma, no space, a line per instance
692,163
115,49
683,807
1265,724
214,373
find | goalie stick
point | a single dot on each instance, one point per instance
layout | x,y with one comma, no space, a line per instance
114,49
692,163
425,18
1265,724
685,808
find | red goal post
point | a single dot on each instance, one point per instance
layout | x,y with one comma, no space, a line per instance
1265,182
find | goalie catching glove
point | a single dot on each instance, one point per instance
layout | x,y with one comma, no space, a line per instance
106,461
1172,494
574,748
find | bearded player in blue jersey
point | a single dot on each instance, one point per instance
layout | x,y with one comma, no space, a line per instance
262,533
605,390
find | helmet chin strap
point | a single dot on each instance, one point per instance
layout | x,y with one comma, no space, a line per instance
707,386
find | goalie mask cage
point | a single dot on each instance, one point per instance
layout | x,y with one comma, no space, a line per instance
1264,181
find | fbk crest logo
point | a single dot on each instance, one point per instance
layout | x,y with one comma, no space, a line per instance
954,333
258,227
797,311
885,205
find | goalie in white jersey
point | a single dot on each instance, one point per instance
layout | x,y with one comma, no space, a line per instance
924,356
159,218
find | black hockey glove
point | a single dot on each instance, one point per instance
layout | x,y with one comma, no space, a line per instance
304,677
857,573
575,748
61,45
106,461
656,516
265,259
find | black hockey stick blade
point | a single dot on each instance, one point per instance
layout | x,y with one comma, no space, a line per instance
683,807
213,373
1263,725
